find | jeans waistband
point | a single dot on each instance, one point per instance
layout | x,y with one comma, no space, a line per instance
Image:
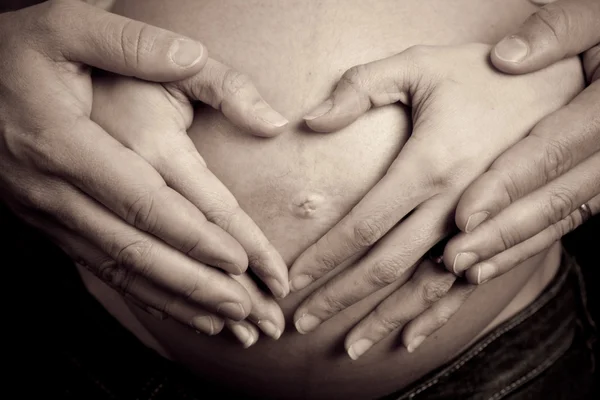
515,352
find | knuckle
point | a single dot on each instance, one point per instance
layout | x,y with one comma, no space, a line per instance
141,212
366,232
116,277
441,318
136,256
233,83
384,272
224,217
432,291
508,235
555,19
566,225
557,157
356,77
385,323
558,206
51,21
332,303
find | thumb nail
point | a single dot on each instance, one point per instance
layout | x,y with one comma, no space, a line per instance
270,116
319,111
186,52
512,49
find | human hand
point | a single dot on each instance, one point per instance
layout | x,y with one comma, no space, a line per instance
533,193
152,120
464,115
64,174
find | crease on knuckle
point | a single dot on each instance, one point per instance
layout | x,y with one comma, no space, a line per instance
233,84
557,157
118,278
509,236
556,19
141,212
566,225
366,232
333,302
136,256
558,206
384,323
432,291
129,48
357,78
384,272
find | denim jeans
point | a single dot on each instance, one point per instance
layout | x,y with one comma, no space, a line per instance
543,352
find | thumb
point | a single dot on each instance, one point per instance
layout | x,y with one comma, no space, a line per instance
558,30
114,43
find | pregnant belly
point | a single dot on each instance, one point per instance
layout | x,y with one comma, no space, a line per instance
298,185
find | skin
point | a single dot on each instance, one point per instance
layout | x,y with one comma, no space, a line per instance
460,153
324,184
58,169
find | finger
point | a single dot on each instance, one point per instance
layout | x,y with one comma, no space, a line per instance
429,284
526,217
364,86
382,208
508,259
556,144
196,183
266,313
144,255
389,263
244,331
558,30
136,192
111,42
235,95
230,233
417,330
135,288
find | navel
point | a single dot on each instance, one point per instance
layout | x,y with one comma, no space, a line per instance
307,204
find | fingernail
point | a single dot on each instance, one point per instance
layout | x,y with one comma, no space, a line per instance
307,323
463,261
243,334
485,272
270,329
203,324
415,343
359,348
232,310
300,282
228,266
475,220
270,116
186,53
321,110
512,49
276,288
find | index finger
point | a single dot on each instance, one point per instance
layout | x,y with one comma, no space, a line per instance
555,145
379,211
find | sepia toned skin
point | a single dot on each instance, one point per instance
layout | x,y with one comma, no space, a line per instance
298,185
